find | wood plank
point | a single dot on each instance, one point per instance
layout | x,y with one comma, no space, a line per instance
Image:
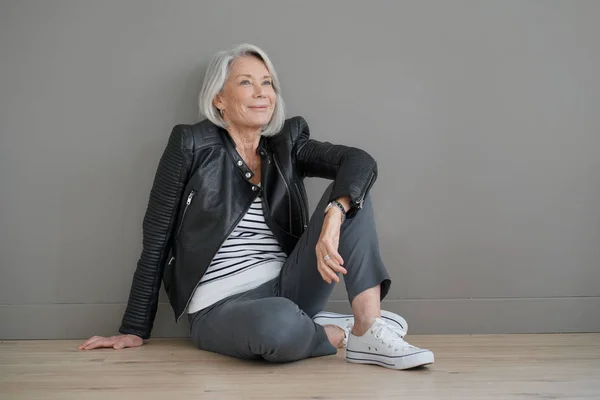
557,366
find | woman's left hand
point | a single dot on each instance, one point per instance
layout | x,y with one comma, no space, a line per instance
329,261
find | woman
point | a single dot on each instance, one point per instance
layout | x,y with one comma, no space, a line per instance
227,231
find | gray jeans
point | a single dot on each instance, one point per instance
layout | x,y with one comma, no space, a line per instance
274,321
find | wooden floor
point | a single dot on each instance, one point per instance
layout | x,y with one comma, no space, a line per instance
561,366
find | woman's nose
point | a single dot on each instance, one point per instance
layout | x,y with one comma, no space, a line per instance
258,91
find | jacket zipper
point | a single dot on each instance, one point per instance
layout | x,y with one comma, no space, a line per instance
187,205
304,206
361,200
287,188
220,244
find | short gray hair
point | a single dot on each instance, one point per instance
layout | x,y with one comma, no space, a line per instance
214,81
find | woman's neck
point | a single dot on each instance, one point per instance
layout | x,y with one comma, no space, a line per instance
246,140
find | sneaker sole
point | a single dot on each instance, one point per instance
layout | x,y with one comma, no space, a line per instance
326,317
418,359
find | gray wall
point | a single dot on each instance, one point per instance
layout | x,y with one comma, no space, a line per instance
483,116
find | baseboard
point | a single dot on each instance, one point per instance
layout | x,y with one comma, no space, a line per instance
425,316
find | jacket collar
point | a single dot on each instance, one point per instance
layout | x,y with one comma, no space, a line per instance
235,156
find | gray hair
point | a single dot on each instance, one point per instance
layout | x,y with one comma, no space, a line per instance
214,81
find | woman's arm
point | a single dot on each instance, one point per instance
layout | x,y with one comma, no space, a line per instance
160,217
353,170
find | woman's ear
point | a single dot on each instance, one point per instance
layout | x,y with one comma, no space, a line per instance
218,102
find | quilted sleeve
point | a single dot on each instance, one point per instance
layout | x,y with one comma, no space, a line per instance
158,223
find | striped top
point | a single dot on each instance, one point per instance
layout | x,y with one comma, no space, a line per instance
249,257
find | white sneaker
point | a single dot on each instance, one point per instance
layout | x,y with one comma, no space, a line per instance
382,345
346,321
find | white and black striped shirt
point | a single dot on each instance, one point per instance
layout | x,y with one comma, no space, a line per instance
249,257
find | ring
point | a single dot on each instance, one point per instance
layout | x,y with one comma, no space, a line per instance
327,257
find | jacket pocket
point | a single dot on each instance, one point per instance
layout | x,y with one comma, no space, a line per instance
168,273
288,192
303,205
188,202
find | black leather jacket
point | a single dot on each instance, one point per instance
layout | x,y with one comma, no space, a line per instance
201,190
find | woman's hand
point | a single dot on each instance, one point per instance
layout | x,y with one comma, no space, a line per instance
329,261
116,342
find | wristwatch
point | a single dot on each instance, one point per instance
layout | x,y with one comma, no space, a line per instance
337,204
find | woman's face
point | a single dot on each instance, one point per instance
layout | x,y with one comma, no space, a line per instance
248,98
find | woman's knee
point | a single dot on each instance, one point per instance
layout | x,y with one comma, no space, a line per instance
284,332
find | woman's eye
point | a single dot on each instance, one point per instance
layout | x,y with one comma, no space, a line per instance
244,82
267,82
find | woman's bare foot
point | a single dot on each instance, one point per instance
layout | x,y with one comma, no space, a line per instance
336,335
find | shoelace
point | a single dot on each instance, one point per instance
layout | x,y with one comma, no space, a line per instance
389,336
347,329
396,329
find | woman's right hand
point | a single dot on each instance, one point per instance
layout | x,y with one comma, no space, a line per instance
116,342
